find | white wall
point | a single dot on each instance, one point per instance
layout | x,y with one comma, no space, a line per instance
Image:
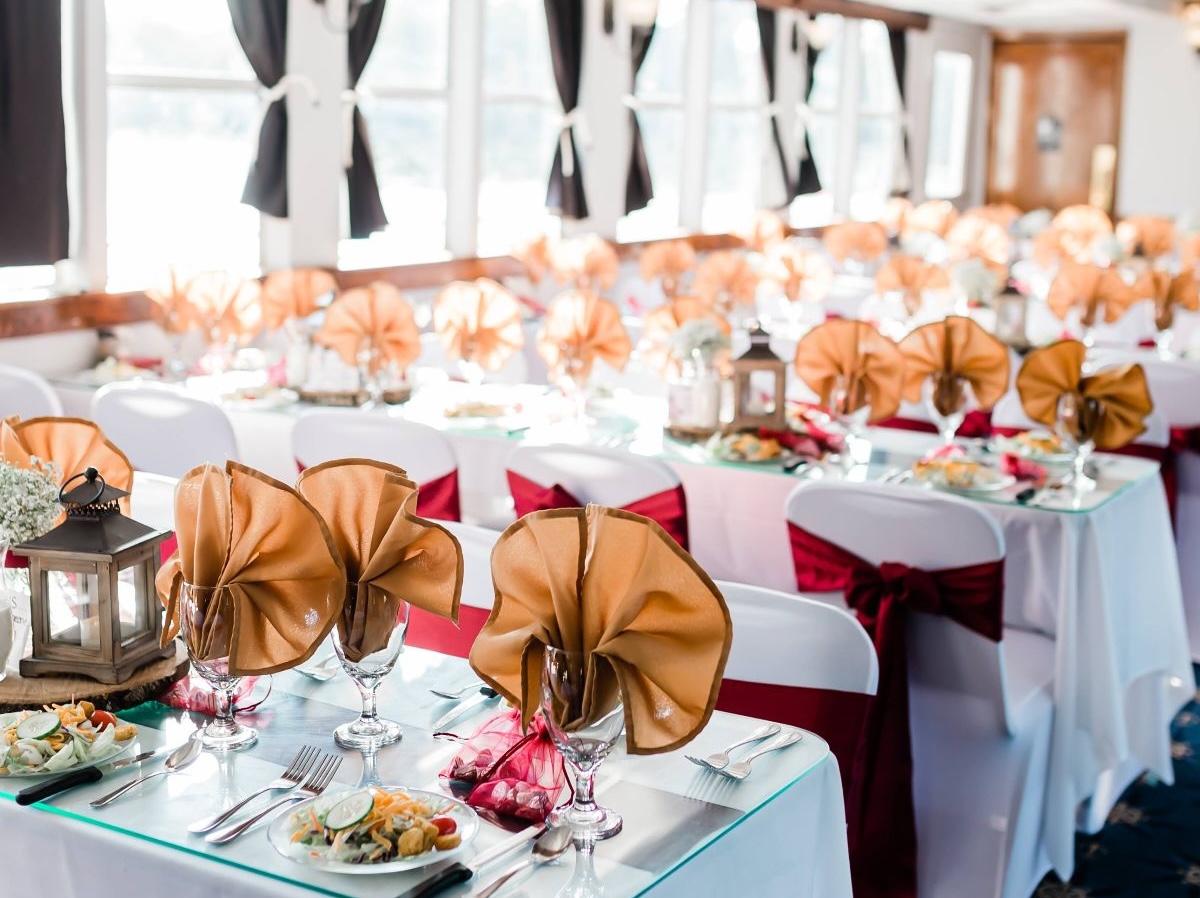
1159,166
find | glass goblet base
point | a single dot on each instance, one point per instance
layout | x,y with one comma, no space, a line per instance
364,734
220,738
595,823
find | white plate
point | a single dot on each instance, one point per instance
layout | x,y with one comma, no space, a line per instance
117,748
988,481
1013,445
282,828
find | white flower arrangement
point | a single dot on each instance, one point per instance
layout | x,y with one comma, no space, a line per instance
699,336
976,280
1033,223
28,500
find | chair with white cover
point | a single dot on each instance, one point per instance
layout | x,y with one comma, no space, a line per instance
423,452
163,429
26,394
980,711
478,595
562,476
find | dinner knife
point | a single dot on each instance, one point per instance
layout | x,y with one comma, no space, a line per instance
486,694
456,872
80,777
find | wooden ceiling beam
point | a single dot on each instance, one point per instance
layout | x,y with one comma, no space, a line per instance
893,18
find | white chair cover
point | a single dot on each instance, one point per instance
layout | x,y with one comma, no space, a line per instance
26,394
601,476
423,452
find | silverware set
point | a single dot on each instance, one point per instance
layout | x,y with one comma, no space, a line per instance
721,762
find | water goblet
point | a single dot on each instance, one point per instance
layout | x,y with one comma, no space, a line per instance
206,621
368,656
946,397
370,365
584,727
1077,420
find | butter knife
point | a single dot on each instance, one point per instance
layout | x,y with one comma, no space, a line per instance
486,694
80,777
454,873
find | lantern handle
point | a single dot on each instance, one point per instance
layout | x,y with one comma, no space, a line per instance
92,476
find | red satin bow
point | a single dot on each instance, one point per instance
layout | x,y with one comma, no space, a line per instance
668,509
437,499
879,802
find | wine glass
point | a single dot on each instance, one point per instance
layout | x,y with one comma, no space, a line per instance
584,735
946,397
206,621
584,883
569,374
852,421
368,656
369,376
1077,421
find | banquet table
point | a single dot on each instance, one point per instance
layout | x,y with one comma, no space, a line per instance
779,832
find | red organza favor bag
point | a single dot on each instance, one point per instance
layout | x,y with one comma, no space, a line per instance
516,774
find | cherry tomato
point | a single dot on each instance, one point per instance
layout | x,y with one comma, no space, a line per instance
445,825
101,719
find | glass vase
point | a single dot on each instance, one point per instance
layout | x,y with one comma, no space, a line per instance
694,398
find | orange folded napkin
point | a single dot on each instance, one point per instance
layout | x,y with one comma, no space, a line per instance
976,237
659,326
931,216
478,321
614,586
895,214
173,308
1087,288
1003,214
953,351
1168,293
724,280
912,276
581,327
1116,401
589,262
377,318
278,579
228,303
73,444
391,556
1048,250
868,365
861,241
765,231
1081,227
1146,235
535,256
1189,250
798,272
293,293
667,261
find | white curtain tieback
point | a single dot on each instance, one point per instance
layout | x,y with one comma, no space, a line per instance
576,120
350,99
268,96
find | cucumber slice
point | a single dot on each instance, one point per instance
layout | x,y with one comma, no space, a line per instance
349,811
38,726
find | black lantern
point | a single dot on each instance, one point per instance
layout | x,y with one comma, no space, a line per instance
93,604
759,386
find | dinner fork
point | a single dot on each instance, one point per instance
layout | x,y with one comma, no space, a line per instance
289,779
318,781
720,759
741,769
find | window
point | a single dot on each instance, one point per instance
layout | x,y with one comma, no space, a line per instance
825,38
403,96
659,99
879,123
521,121
183,115
949,121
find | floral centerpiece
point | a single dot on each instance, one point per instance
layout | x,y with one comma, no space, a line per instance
694,392
698,340
977,281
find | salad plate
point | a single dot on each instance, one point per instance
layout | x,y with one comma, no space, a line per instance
961,476
43,748
747,449
1039,446
337,833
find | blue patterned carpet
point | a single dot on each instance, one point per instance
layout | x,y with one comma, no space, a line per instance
1150,847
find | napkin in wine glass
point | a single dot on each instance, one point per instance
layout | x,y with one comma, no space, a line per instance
294,293
268,556
390,554
951,351
1168,292
1088,287
375,317
667,261
976,237
73,444
661,324
912,276
1118,396
861,241
1150,236
724,280
614,586
228,304
869,365
478,321
800,273
582,327
588,261
932,217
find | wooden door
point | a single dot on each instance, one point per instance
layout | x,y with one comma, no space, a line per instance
1055,120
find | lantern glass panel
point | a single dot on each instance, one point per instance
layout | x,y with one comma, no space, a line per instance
131,582
74,603
761,400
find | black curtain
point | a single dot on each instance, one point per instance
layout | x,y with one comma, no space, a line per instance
638,188
808,180
564,23
34,218
261,29
766,40
366,206
898,39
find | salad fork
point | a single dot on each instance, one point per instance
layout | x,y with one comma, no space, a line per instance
720,759
289,779
318,781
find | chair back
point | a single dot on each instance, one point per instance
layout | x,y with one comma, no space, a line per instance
1008,414
26,394
162,429
478,596
603,476
1174,386
926,530
422,451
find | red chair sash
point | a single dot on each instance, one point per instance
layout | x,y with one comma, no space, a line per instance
879,802
668,509
977,424
437,499
428,631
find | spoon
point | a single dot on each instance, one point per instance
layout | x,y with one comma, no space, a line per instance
177,760
456,693
549,846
